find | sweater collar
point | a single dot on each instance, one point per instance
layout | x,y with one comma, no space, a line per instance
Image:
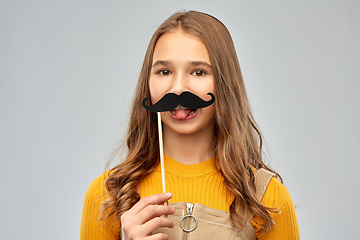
174,167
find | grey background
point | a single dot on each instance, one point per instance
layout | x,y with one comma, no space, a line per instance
67,74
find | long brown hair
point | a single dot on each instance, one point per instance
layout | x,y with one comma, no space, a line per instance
238,138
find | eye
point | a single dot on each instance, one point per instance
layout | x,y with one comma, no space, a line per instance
164,72
199,73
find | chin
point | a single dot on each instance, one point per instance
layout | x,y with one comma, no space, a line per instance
187,129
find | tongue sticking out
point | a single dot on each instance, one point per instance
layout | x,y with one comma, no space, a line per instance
181,114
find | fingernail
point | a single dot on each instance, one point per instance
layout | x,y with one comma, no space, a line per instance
168,194
173,210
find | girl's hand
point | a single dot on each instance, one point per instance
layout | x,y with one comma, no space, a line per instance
144,218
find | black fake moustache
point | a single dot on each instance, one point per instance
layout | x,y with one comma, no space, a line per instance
171,100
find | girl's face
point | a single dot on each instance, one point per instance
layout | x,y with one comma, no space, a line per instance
181,63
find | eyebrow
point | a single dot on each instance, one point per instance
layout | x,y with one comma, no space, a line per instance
193,63
161,62
199,63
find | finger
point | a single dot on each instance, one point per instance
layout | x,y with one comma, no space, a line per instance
164,203
151,200
156,223
158,236
151,212
141,231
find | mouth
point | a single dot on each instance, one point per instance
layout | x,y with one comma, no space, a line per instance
182,113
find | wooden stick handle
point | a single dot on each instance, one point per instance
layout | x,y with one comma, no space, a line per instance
161,154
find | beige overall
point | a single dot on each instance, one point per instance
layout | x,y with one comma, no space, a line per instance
196,221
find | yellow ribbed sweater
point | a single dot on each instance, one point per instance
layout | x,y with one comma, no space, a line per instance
198,183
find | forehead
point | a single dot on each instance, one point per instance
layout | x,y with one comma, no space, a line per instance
180,47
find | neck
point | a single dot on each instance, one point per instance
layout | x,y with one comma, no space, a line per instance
189,148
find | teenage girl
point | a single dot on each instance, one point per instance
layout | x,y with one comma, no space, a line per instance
218,186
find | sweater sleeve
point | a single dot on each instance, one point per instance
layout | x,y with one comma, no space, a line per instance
286,224
91,228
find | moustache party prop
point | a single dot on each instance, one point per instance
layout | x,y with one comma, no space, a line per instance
171,100
168,103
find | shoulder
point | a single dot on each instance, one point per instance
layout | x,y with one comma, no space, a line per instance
97,189
278,197
96,193
91,227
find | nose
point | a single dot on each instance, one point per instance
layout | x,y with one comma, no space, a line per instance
180,84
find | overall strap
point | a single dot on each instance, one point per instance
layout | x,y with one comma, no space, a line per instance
262,179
